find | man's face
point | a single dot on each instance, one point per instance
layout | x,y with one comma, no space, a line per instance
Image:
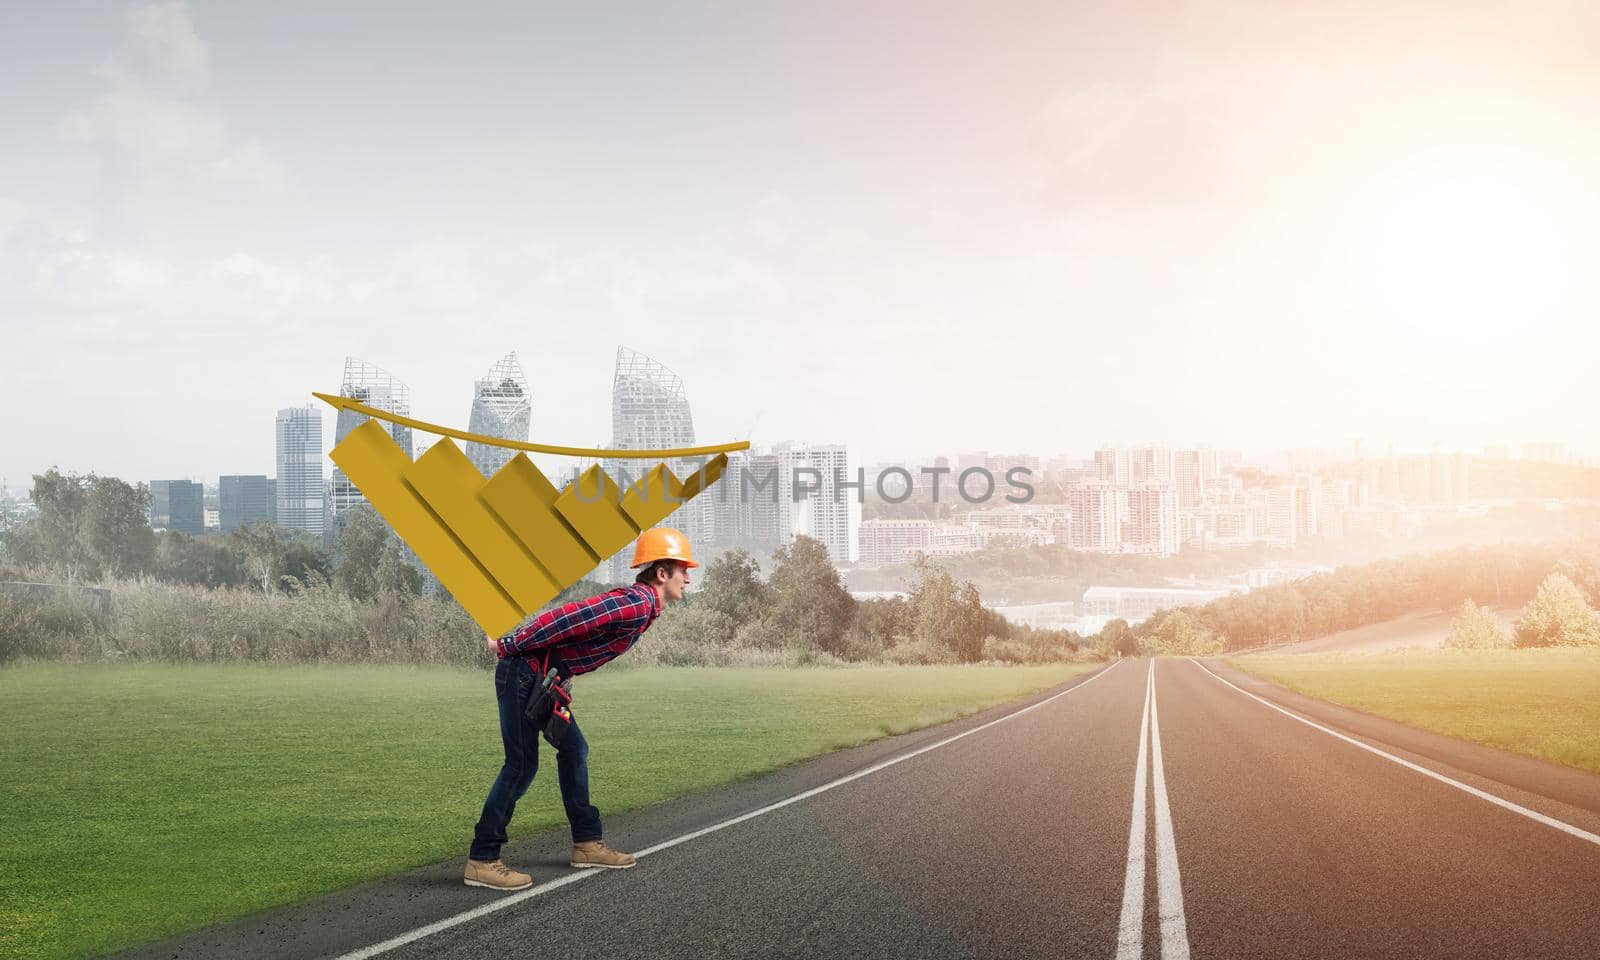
673,585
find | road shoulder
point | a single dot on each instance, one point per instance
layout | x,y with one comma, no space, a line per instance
1576,788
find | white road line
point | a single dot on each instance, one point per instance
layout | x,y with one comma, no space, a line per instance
1130,929
1567,828
543,888
1169,888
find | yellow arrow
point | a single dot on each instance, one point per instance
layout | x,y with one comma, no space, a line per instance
345,403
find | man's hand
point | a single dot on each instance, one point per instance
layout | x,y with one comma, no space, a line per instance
494,643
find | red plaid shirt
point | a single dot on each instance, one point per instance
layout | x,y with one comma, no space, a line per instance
587,634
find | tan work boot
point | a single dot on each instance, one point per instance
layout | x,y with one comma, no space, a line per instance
594,853
495,875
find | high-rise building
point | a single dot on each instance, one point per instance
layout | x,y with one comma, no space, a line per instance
1151,463
299,483
1192,471
1279,513
1096,523
178,506
500,408
375,387
650,410
813,501
1114,465
1307,506
160,505
243,500
760,493
1152,524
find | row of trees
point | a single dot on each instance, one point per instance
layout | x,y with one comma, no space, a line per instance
91,528
1356,596
803,606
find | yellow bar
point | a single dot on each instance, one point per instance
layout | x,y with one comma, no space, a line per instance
698,481
597,515
653,497
524,500
346,403
448,482
373,462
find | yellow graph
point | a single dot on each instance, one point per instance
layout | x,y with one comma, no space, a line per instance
507,545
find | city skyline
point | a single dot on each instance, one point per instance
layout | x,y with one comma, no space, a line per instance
1279,461
1147,499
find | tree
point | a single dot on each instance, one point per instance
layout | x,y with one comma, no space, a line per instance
115,527
371,560
180,558
732,586
62,501
88,525
1557,616
395,574
970,625
1116,637
22,544
811,607
1178,633
358,550
262,550
1476,628
304,564
933,602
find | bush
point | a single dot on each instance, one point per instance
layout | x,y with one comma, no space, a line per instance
1558,616
20,629
1476,628
920,650
1005,651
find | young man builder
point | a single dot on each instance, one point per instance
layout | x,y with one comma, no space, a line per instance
576,638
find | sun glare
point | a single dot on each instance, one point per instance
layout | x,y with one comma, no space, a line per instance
1476,233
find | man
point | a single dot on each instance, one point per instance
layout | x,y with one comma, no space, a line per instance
577,637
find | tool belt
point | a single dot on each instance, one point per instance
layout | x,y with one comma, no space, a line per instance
550,704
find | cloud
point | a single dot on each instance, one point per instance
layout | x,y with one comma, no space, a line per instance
151,122
161,49
11,214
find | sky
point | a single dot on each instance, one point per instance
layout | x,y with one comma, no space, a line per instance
914,228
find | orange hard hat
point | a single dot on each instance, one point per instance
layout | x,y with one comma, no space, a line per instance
662,543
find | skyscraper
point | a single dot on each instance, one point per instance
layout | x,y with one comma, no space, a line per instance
1151,463
500,408
1096,523
377,388
177,505
243,500
825,510
650,410
1152,523
300,499
1114,465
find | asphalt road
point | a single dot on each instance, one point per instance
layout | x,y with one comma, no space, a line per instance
1170,809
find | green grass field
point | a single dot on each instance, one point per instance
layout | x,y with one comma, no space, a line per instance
140,801
1542,702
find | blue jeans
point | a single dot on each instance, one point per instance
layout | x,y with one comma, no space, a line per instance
513,684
